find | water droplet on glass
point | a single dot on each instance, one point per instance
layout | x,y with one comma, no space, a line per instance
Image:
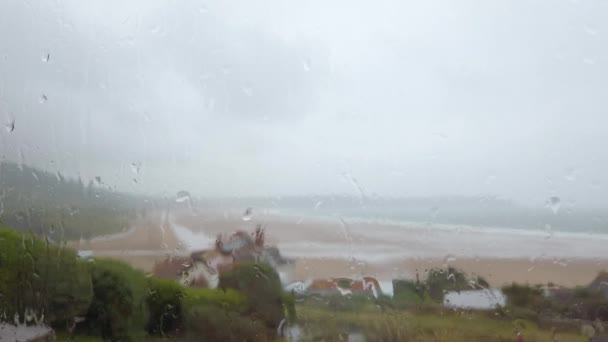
135,167
247,90
570,175
348,177
590,30
306,65
434,213
46,57
554,204
43,98
317,205
155,29
589,61
449,259
10,125
182,196
549,231
247,215
490,179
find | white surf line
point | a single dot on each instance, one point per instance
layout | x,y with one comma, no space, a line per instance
189,239
115,236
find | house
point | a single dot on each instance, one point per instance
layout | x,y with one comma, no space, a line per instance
203,267
483,299
340,286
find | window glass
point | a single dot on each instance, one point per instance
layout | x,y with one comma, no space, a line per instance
315,170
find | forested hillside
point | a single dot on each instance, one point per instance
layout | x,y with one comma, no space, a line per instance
61,208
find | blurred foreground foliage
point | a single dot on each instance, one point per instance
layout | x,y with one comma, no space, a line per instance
41,283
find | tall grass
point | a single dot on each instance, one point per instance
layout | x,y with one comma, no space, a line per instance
415,325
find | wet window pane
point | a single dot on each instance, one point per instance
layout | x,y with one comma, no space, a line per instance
303,171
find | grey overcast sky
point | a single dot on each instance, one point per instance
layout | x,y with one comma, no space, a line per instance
403,98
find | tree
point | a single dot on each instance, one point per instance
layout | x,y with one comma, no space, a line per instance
117,308
164,303
261,285
41,280
440,281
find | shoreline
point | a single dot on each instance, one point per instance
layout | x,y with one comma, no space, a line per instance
338,248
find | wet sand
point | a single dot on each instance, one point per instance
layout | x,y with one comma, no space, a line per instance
335,247
150,233
496,271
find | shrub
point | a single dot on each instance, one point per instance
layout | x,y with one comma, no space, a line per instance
41,278
213,323
164,304
289,301
440,281
228,299
261,285
116,311
407,292
524,296
219,315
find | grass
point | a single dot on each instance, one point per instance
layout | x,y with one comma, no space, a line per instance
411,325
62,336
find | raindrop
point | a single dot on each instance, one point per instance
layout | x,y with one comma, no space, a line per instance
136,167
570,175
317,205
248,214
72,210
554,204
449,258
46,58
155,29
306,65
549,231
348,177
10,125
590,30
247,90
589,61
434,213
182,196
43,98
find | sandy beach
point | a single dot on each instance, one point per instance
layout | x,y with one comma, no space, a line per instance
333,246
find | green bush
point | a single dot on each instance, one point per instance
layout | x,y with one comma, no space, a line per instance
407,292
524,296
42,279
289,301
219,315
213,323
261,285
440,281
228,299
116,311
164,304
